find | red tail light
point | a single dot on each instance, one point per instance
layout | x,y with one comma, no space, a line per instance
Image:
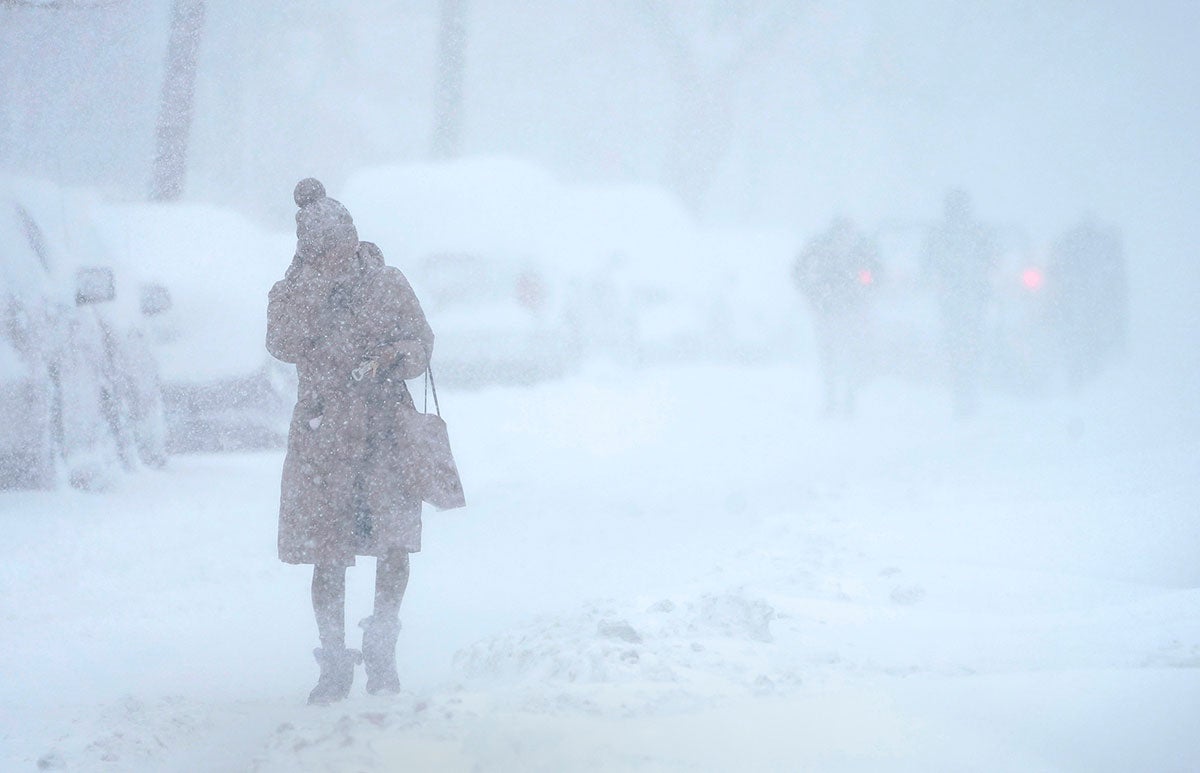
865,277
1032,279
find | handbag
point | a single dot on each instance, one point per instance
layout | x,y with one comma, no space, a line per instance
430,466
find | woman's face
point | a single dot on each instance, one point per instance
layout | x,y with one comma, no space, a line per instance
330,251
339,257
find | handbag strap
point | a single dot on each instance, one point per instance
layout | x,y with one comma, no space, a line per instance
429,384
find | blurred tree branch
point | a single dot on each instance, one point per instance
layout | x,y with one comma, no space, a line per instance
708,47
719,36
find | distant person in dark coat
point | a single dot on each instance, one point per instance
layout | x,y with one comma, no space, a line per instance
960,255
834,272
1089,297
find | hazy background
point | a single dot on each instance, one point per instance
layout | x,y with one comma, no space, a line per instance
1026,580
778,114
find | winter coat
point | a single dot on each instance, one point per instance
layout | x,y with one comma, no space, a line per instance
959,257
343,493
835,269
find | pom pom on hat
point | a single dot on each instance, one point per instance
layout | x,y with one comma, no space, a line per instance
307,191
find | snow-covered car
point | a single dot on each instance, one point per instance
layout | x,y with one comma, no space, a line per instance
78,386
904,336
479,241
522,275
906,326
1019,350
207,312
659,287
752,305
648,292
498,320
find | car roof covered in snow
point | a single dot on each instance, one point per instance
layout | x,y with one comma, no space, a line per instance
49,232
218,267
513,210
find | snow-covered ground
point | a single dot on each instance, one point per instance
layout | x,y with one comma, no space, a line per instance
673,569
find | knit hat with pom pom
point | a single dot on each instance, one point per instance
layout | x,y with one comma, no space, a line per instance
307,191
322,223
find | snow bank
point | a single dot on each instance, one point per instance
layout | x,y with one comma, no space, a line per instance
720,588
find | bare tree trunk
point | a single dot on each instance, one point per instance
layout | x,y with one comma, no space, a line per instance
175,109
448,95
703,131
708,70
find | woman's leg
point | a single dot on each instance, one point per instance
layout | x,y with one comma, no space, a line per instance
329,605
391,580
381,629
336,662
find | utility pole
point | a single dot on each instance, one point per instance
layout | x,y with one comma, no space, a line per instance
448,91
178,95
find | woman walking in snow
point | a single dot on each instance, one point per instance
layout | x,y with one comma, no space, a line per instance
355,331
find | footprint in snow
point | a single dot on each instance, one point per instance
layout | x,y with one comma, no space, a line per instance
907,594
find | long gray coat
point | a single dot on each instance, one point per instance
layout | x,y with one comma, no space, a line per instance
343,493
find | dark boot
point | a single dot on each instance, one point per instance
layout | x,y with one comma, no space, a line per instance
337,675
379,654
